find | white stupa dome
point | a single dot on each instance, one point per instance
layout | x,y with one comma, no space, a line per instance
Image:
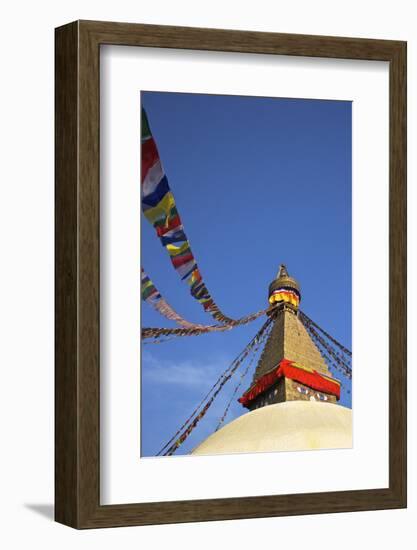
288,426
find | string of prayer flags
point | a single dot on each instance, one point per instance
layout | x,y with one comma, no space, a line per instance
195,418
338,344
159,208
260,341
155,332
148,290
152,296
341,359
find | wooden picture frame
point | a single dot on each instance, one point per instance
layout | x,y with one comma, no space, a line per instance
77,403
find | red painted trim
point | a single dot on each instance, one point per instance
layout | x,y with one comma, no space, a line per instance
290,370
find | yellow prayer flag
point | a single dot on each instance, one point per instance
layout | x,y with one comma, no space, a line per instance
161,210
146,285
175,250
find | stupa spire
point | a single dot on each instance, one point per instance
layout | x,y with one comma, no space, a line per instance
291,368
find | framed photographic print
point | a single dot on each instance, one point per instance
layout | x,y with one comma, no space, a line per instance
230,274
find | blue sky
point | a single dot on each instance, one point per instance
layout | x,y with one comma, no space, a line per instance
257,182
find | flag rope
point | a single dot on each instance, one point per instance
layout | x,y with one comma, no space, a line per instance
338,344
156,332
208,399
243,375
336,357
153,297
160,209
337,361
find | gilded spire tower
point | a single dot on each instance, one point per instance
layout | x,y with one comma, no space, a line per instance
290,368
292,399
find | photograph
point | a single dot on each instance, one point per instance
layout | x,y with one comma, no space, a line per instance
246,274
209,253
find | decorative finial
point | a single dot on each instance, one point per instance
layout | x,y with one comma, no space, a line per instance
282,272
